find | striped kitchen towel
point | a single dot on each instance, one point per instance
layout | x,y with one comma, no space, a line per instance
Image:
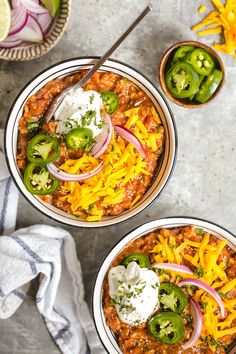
50,253
8,195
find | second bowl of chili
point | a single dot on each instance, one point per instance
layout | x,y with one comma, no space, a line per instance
182,300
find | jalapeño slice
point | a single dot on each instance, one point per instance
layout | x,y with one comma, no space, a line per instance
79,138
110,101
171,297
182,81
38,180
202,62
168,327
181,53
43,149
141,259
209,86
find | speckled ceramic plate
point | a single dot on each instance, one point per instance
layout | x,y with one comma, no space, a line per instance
165,164
33,51
104,332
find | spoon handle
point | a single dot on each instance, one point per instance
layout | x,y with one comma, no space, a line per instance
59,99
113,48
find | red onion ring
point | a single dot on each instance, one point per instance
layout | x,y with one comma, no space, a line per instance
197,325
104,138
18,19
33,6
29,22
16,3
10,42
44,20
64,176
130,137
31,32
173,266
201,284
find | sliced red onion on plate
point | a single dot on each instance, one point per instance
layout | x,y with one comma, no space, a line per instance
30,21
16,3
44,20
11,42
19,17
31,32
104,138
201,284
197,325
174,267
33,6
131,138
64,176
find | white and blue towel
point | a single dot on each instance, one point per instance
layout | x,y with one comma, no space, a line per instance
8,195
50,253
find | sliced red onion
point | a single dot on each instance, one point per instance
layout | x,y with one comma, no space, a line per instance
10,43
64,176
18,19
129,136
201,284
197,325
33,6
31,32
104,138
16,3
173,266
138,102
44,20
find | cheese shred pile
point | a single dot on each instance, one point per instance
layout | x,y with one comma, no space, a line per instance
222,20
122,164
205,260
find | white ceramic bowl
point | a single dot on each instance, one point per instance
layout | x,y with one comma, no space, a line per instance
103,330
166,163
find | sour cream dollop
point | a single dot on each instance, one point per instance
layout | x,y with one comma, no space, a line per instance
134,292
80,108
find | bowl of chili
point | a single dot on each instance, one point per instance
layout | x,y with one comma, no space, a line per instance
103,167
191,74
192,289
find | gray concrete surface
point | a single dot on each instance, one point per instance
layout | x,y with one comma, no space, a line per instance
204,180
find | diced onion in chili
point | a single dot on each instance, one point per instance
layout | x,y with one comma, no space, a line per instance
64,176
131,138
201,284
197,325
174,267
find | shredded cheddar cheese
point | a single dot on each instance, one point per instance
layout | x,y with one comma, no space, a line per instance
201,9
122,163
223,20
206,258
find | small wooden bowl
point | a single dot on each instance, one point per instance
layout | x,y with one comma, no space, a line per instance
165,65
35,50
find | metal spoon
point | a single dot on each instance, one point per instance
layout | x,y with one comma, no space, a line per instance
58,100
